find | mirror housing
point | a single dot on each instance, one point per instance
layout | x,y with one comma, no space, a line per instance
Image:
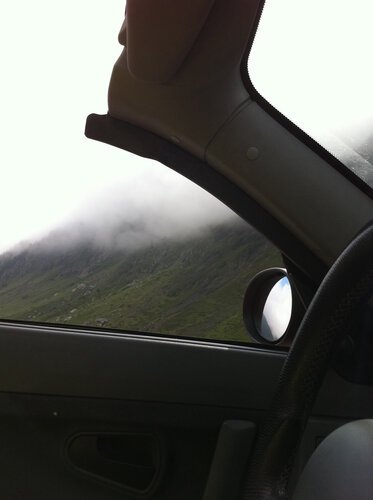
272,309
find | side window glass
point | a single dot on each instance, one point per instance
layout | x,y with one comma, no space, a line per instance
149,252
92,236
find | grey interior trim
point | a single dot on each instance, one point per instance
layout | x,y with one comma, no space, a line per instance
284,177
316,431
207,88
175,112
345,399
206,109
341,467
38,360
89,364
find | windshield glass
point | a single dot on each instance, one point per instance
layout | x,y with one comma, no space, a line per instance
312,62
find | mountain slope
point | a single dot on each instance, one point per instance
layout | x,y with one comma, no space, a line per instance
193,287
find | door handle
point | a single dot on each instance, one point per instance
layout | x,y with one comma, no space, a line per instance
133,461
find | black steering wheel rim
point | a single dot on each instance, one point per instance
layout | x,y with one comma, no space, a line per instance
331,314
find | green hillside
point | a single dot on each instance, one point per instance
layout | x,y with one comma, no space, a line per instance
192,287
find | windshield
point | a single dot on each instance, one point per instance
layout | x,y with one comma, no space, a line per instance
312,62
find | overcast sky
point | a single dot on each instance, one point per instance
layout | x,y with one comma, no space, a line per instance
56,63
312,60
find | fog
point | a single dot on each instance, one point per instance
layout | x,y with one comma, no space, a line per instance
154,206
56,66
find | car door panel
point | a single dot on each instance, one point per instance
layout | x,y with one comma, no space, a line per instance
66,385
82,363
59,386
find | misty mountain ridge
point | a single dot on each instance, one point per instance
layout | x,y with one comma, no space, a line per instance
191,285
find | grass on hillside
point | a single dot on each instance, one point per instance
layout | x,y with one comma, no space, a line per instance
191,288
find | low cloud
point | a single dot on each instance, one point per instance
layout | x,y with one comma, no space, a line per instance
155,205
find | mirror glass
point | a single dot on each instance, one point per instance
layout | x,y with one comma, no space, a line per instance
277,311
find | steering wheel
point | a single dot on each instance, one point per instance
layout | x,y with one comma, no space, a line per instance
337,304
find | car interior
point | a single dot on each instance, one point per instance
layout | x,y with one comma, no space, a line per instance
90,409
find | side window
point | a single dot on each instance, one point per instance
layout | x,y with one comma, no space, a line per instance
90,235
149,252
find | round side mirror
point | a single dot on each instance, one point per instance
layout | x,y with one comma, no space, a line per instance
271,308
277,311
